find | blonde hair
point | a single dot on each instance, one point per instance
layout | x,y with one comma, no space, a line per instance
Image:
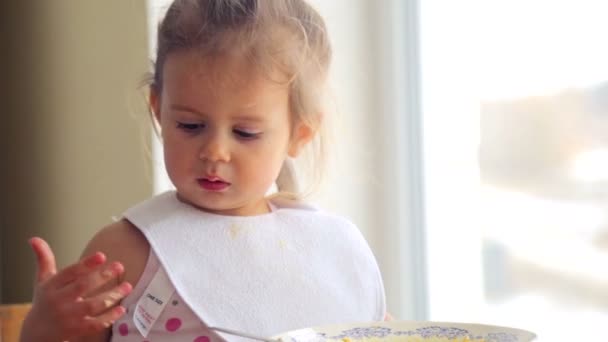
288,36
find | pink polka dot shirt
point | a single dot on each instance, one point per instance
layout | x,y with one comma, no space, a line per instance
177,322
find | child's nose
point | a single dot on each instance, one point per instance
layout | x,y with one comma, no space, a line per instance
216,149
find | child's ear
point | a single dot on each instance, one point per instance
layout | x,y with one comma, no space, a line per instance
302,135
155,104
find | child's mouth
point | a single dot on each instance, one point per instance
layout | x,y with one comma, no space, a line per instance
213,184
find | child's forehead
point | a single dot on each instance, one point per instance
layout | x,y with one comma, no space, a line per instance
219,71
190,78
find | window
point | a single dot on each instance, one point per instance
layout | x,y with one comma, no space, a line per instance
515,116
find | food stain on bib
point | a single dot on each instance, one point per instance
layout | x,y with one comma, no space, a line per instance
286,246
235,230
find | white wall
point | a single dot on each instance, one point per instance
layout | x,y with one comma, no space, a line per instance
352,178
373,179
73,128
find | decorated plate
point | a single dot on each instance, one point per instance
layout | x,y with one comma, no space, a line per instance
408,331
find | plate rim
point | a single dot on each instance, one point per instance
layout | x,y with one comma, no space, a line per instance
414,324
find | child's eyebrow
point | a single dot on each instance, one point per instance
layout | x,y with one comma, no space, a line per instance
183,108
240,117
249,118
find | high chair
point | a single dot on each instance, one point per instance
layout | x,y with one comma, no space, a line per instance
11,318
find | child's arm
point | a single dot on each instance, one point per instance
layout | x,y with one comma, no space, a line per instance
80,302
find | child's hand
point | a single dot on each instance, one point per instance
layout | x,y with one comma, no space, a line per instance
80,300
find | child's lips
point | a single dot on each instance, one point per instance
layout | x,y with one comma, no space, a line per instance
213,184
213,179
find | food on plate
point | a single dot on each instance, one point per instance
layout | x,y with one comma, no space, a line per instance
414,339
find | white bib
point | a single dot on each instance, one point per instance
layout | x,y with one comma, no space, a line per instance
292,268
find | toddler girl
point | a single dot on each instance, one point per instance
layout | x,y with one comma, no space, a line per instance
236,92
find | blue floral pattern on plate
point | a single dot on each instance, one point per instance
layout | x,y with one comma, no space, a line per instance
386,330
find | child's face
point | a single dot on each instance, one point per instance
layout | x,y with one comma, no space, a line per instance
226,132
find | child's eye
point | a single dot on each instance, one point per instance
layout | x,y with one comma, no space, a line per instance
190,127
246,135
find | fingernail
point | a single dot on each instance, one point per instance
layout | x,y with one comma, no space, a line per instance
108,273
113,269
32,241
95,260
126,288
121,310
118,267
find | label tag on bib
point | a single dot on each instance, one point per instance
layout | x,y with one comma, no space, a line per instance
152,302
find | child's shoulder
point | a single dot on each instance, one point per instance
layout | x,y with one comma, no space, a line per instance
121,241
